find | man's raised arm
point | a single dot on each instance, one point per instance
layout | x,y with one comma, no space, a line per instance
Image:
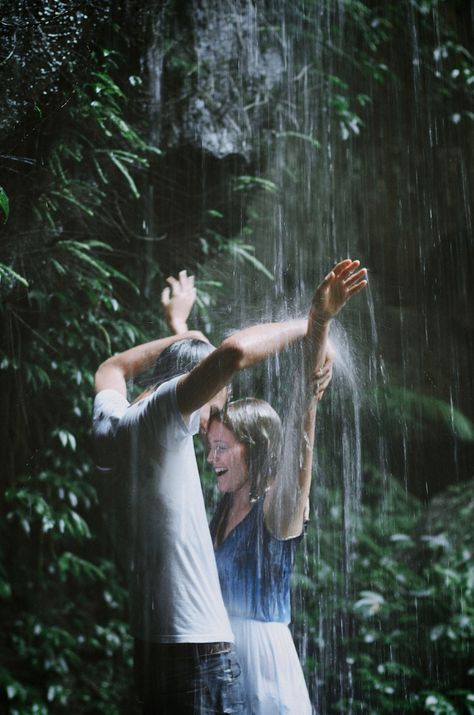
114,372
177,301
243,349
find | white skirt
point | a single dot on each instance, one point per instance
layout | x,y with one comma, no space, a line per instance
272,676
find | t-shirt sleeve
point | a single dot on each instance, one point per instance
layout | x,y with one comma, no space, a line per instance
109,408
159,416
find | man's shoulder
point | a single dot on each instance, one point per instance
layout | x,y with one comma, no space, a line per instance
109,408
161,410
108,411
107,402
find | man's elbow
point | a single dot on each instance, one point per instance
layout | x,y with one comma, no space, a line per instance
110,376
233,354
99,378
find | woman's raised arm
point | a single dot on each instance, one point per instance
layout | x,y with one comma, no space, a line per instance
286,503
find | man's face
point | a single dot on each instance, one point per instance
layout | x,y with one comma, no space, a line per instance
217,403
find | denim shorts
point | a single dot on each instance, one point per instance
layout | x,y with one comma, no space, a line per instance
171,683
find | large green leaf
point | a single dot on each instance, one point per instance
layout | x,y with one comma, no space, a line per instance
416,409
4,203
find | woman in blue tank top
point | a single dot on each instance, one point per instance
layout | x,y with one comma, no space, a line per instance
259,521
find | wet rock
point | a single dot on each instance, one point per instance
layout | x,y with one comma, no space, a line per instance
211,75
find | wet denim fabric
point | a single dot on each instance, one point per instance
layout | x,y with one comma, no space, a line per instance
191,685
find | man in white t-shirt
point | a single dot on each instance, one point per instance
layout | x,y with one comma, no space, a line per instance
153,503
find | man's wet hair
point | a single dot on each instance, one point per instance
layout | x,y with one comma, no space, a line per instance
179,358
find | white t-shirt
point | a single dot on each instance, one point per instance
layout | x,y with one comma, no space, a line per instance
152,499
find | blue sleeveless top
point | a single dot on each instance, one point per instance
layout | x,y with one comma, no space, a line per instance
255,569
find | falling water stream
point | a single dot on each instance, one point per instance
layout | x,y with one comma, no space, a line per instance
330,173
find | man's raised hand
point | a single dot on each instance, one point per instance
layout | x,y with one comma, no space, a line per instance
177,300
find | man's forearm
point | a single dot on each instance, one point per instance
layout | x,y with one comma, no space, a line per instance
259,341
243,349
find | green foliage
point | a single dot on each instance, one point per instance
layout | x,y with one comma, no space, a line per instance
247,182
10,277
299,135
245,254
68,646
4,203
100,142
408,607
401,406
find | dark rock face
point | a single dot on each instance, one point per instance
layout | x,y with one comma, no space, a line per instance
210,74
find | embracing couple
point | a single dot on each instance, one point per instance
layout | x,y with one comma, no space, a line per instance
210,607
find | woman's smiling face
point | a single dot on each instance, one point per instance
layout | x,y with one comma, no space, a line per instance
227,457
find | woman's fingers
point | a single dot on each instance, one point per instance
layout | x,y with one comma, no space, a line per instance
324,382
321,378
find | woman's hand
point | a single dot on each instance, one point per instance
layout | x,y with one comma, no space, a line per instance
336,289
321,378
177,300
